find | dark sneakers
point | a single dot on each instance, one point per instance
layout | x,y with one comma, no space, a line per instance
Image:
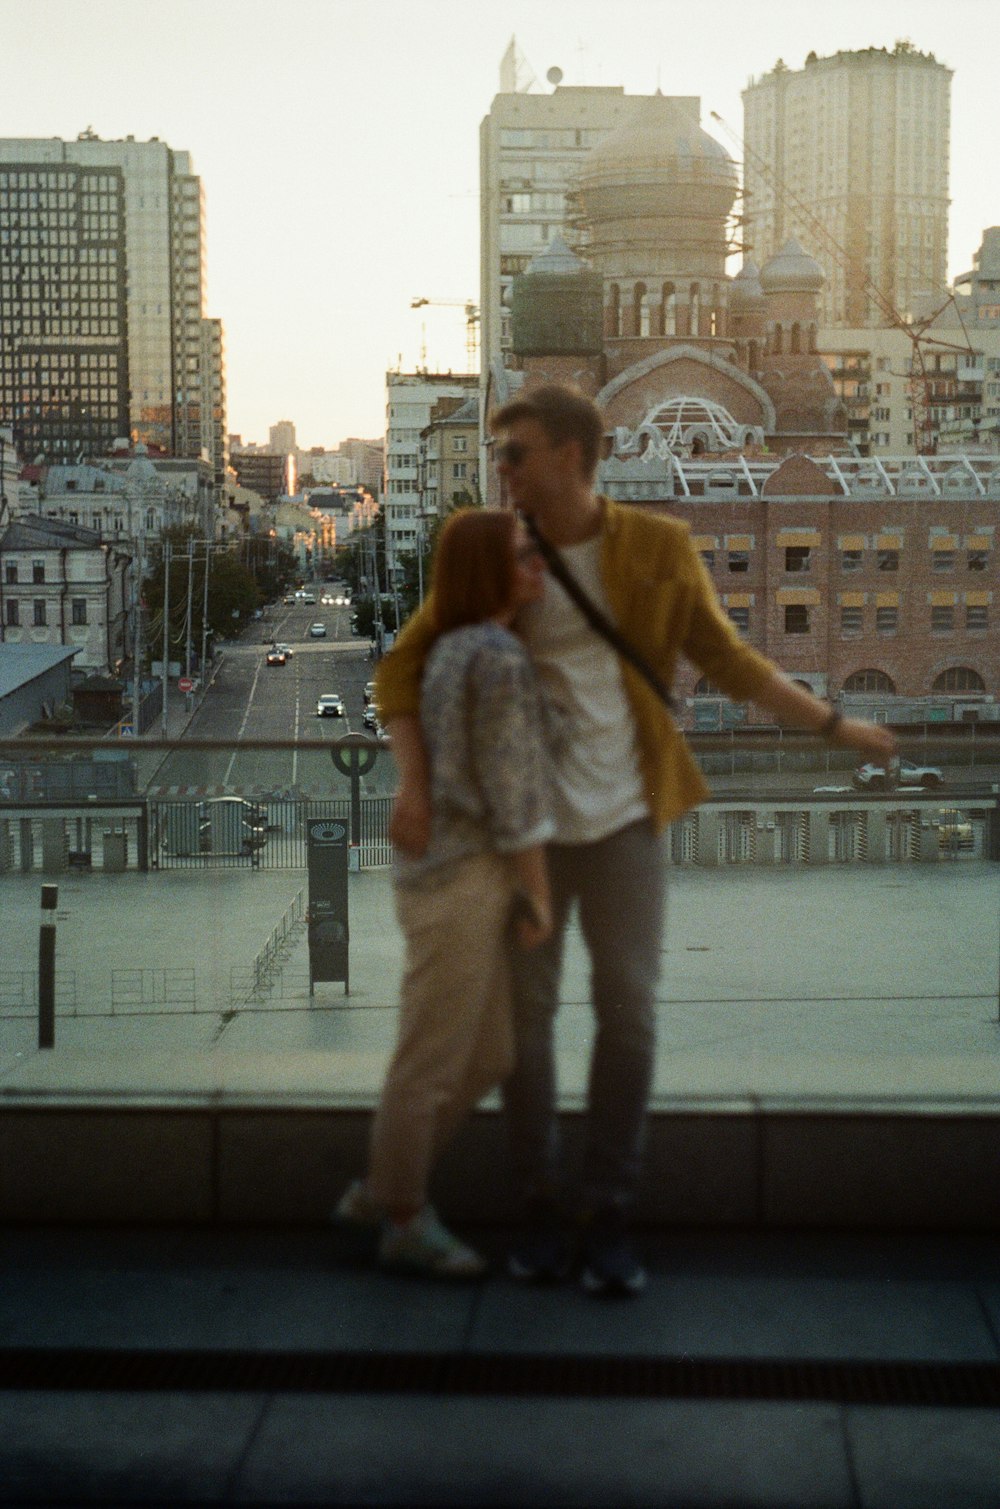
543,1253
610,1265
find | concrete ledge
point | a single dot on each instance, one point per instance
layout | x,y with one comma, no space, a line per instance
739,1166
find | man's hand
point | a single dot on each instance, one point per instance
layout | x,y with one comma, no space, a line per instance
873,741
410,823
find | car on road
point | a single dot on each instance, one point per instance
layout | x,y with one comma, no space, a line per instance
231,825
285,649
289,601
330,705
369,718
879,777
275,656
326,601
369,692
317,631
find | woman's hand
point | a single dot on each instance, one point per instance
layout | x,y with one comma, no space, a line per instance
410,823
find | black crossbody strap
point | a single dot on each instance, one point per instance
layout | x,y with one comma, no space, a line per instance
597,620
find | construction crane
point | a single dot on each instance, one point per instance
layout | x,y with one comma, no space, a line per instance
919,384
471,326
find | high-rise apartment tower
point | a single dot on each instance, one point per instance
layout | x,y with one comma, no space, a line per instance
102,301
859,142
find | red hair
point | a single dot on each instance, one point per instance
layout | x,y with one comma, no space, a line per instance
473,574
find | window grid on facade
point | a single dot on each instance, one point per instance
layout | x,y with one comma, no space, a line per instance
942,619
796,619
851,620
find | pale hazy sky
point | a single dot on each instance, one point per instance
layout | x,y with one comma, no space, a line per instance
338,145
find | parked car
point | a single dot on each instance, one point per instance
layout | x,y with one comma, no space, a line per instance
369,718
317,631
231,825
369,692
878,777
955,830
275,656
330,705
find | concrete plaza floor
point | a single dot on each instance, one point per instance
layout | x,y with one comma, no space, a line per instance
875,982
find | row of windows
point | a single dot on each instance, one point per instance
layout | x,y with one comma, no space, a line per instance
19,178
12,613
943,620
799,559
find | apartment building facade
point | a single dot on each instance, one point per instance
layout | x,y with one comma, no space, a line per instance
410,401
61,584
858,142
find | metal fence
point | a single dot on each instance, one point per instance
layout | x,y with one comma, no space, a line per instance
260,834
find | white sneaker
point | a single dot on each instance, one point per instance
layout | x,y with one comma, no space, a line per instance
423,1245
357,1211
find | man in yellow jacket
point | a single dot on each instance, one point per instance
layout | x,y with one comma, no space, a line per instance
625,773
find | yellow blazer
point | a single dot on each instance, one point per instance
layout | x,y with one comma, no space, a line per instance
663,601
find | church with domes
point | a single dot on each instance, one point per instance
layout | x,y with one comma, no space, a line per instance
645,318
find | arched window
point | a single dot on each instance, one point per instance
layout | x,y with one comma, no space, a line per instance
776,340
668,310
753,358
695,324
707,688
870,681
795,343
959,678
812,339
640,311
613,317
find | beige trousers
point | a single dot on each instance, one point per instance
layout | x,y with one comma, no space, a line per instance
455,1037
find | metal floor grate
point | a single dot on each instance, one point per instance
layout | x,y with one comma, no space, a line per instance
940,1384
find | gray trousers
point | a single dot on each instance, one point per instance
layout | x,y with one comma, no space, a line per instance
618,886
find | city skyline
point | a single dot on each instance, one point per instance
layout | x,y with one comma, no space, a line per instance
328,213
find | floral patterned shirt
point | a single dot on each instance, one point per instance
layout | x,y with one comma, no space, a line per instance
485,726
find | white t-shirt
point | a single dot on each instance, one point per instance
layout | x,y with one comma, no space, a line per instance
598,781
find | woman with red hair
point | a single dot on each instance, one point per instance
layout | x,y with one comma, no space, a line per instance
483,719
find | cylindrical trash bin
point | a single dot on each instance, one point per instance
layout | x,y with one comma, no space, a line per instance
115,851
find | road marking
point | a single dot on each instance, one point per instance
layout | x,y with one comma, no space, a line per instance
246,715
295,751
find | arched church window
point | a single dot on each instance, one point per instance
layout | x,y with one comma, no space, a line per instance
959,678
640,311
614,319
668,310
795,341
812,339
777,340
695,324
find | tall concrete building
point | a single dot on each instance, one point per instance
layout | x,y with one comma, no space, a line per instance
102,301
532,147
281,436
858,142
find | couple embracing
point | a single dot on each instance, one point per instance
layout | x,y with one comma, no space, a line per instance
539,766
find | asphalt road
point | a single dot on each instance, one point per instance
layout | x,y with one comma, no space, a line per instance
250,700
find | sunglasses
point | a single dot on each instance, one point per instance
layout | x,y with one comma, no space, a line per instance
511,453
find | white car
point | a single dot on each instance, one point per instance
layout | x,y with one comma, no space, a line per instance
330,705
317,631
876,777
